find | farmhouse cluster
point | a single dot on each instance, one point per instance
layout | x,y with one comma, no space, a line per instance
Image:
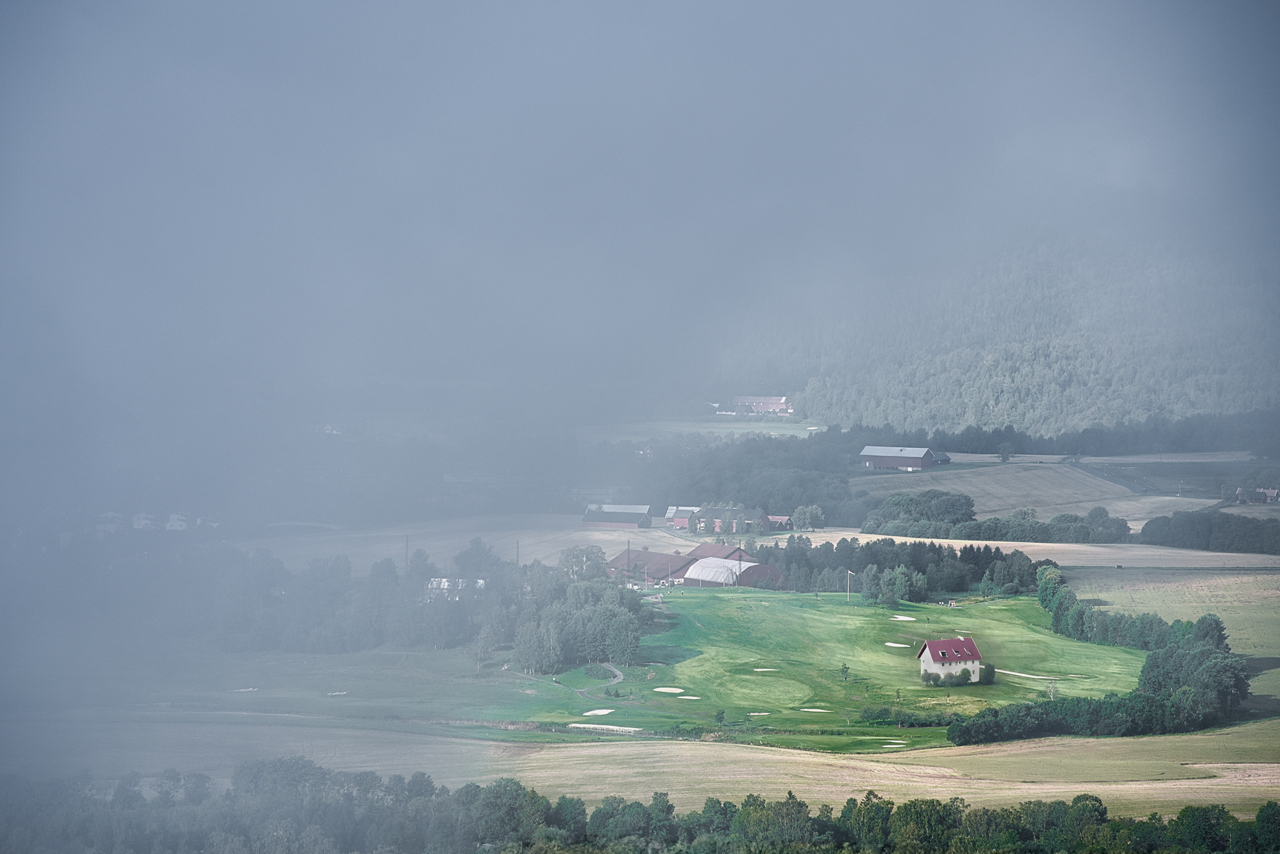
707,520
706,565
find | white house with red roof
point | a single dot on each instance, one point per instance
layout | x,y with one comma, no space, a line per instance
950,655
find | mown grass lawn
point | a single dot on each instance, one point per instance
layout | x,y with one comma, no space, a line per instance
769,660
774,659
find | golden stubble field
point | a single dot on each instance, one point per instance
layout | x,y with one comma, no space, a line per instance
1238,767
1047,487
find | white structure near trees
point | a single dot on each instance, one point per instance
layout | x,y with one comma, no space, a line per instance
950,656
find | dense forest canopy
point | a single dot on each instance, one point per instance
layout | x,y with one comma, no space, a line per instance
1049,339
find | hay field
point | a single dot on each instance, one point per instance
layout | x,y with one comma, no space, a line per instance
1237,767
1083,554
997,490
1048,487
1247,600
1255,511
542,536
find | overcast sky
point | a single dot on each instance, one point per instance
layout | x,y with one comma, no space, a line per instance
214,213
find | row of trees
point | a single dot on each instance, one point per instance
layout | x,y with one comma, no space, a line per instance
948,515
284,806
886,571
1211,530
1189,681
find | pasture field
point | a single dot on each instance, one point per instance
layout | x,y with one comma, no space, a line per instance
1255,511
1049,488
1247,600
1238,766
1106,556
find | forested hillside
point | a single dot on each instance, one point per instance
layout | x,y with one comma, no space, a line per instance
1046,341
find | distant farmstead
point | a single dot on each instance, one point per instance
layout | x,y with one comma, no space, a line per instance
762,405
723,572
648,566
950,656
615,519
905,459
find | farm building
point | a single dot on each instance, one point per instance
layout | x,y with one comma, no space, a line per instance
732,520
781,523
762,405
719,572
678,517
950,655
615,519
653,511
648,565
723,552
906,459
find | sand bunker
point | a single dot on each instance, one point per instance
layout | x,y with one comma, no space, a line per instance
901,618
687,697
815,710
1026,675
596,712
756,714
890,643
670,690
605,728
766,670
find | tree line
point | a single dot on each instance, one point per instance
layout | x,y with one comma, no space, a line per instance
886,571
1211,530
1189,681
293,806
949,515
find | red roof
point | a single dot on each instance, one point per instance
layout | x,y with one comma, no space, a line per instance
951,649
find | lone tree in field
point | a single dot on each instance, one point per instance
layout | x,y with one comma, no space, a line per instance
844,672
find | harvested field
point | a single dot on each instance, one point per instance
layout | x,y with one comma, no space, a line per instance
1247,600
997,490
1046,486
1238,767
541,536
1255,511
1091,555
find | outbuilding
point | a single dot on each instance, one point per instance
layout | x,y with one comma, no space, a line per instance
905,459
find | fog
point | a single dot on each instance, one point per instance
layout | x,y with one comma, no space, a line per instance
226,227
220,220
